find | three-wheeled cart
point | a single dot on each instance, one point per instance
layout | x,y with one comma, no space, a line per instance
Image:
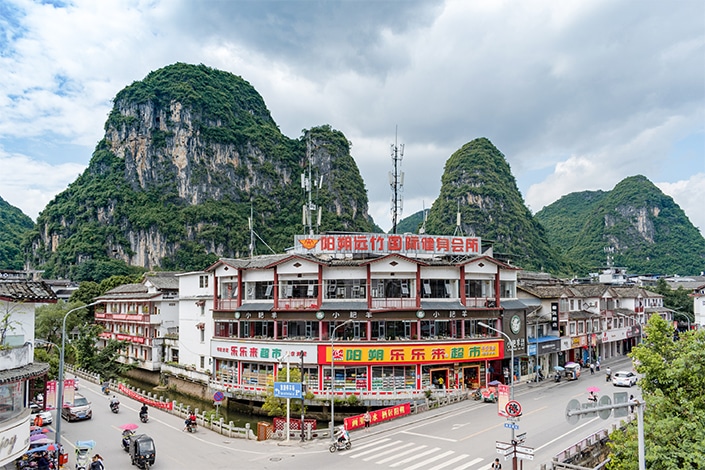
142,451
83,450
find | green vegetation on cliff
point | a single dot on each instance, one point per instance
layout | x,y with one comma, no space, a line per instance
15,227
646,229
478,182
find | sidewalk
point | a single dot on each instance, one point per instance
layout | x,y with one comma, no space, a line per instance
360,434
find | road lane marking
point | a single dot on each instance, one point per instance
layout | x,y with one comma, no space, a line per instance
469,464
427,461
373,449
414,457
401,454
449,462
498,425
565,434
429,436
370,444
394,449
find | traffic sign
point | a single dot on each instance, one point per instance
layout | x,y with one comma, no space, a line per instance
511,425
218,396
604,401
513,408
287,389
573,405
525,450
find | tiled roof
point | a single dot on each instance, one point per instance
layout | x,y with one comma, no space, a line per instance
163,280
26,291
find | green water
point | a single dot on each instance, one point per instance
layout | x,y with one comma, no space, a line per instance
228,415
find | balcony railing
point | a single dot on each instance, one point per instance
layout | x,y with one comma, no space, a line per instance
124,317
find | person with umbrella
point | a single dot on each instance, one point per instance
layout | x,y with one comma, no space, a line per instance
593,394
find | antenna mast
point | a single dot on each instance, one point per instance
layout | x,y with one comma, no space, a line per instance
396,181
306,183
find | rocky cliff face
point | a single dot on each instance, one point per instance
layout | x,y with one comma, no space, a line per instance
642,229
478,183
188,153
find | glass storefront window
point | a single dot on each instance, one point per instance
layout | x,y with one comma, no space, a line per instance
226,371
393,377
346,378
11,400
257,374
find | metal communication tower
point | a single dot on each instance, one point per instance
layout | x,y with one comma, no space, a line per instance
396,182
310,207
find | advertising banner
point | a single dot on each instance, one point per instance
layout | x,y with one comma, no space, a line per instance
378,416
412,353
136,396
50,398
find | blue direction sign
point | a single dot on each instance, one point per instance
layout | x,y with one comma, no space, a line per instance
511,425
287,389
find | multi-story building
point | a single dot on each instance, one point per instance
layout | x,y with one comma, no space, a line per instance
142,315
393,313
18,299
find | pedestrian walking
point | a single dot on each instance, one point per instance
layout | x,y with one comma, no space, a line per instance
367,418
496,465
597,365
592,369
608,374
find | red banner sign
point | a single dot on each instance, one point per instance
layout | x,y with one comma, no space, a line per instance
136,396
378,416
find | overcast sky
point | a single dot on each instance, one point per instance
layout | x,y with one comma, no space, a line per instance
577,95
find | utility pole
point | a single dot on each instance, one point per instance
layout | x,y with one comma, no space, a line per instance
303,397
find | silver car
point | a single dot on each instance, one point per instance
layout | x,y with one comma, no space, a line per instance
79,409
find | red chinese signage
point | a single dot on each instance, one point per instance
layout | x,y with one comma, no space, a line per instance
378,416
136,396
381,243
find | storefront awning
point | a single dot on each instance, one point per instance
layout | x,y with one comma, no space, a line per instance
441,305
357,305
259,307
543,339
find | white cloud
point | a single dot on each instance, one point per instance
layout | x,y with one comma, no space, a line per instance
30,184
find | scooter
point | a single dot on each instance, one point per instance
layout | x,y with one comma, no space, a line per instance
126,440
340,444
144,417
557,377
115,407
191,426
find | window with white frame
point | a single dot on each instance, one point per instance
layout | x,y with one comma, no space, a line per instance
202,281
571,327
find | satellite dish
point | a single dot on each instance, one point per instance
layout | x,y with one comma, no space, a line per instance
604,401
573,405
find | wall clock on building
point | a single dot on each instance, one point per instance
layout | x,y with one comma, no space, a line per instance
515,324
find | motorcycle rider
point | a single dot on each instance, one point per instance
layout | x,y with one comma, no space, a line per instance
191,422
144,411
342,435
126,438
114,402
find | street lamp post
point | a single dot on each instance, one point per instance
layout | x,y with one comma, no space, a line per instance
60,391
511,377
288,400
332,380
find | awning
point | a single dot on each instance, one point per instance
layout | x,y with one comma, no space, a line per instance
26,372
357,305
543,339
441,305
258,307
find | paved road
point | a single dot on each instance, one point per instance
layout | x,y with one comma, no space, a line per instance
457,437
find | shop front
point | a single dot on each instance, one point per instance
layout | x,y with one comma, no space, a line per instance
407,367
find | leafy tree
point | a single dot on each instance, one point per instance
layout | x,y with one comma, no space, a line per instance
277,406
86,292
673,381
677,299
103,361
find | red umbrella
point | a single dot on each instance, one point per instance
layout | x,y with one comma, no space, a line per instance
129,427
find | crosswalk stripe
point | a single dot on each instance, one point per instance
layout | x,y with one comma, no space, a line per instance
449,462
373,449
370,444
414,457
469,464
395,449
401,454
427,461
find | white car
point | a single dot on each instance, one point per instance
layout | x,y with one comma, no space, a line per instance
624,379
47,417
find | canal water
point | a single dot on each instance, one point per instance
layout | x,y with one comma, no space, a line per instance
238,419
